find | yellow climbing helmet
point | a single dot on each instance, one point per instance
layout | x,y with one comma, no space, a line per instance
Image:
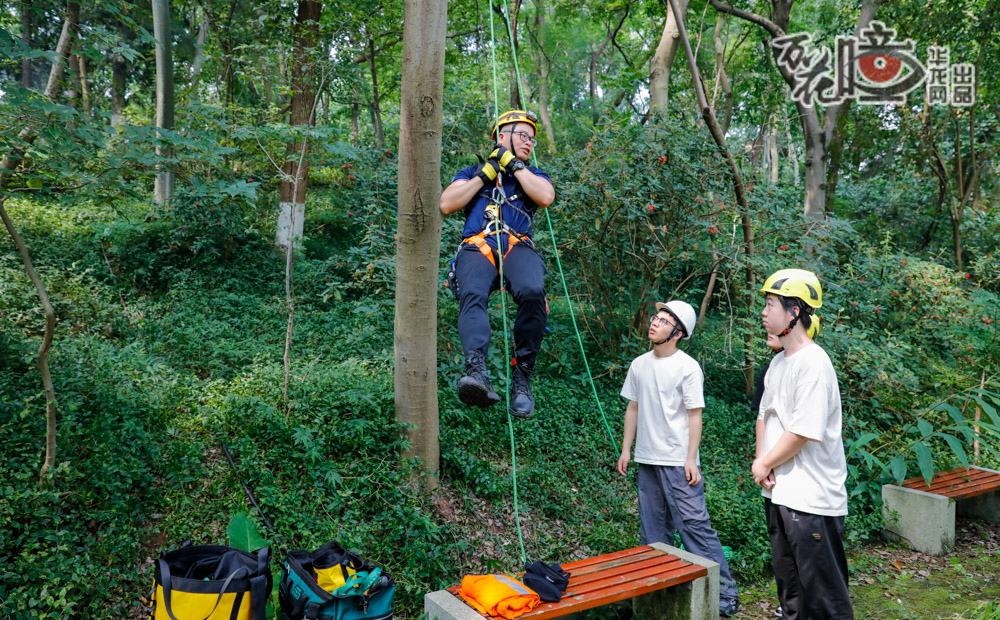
813,330
797,283
515,116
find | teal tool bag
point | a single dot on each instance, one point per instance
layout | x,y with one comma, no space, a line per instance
332,583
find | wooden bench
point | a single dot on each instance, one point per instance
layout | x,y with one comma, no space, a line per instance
924,515
662,581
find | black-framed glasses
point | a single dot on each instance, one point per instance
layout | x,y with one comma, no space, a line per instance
659,320
526,137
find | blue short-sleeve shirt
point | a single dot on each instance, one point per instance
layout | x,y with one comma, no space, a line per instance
519,219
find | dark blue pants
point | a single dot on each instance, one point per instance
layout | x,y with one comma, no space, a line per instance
524,273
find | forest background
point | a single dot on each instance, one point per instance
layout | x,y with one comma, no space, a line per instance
149,308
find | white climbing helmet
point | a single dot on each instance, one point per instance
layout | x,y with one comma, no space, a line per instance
683,312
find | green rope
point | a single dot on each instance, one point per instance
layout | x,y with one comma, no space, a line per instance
503,305
555,249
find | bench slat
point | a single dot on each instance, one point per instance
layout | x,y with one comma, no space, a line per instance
949,477
610,579
635,588
957,483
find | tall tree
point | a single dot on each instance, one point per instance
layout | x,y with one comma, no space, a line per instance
376,109
542,60
739,189
164,93
419,228
296,166
818,134
199,49
663,59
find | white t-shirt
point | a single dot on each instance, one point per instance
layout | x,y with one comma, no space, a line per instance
801,395
665,388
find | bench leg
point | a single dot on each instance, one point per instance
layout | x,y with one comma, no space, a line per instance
924,520
695,600
443,605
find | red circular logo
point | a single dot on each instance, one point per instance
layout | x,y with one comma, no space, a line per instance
879,68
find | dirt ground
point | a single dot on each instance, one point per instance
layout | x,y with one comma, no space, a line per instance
889,581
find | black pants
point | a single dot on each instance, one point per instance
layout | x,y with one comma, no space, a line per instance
524,273
810,566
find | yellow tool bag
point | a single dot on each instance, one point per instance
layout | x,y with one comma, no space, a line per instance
211,582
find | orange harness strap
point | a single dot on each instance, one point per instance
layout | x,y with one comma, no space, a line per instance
479,241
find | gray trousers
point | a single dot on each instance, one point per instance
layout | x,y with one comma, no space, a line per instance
668,503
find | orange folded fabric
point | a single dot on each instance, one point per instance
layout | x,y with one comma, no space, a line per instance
498,595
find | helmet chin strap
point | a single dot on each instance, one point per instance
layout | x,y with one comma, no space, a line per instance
790,327
670,337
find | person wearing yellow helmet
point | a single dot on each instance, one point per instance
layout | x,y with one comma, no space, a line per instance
499,198
800,462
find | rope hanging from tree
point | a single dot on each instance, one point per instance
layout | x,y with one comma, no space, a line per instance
562,279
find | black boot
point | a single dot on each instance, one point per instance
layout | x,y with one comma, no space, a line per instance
474,388
522,403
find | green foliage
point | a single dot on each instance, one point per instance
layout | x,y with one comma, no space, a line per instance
243,533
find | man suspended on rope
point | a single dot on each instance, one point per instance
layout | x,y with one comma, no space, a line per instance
500,198
800,459
664,389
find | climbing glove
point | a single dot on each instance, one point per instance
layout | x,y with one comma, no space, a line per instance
503,155
489,170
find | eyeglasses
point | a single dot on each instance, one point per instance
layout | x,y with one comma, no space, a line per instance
659,321
525,137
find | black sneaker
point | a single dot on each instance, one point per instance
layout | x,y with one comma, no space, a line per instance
728,609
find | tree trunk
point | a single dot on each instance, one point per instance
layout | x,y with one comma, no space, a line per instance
296,167
164,185
543,78
815,175
516,100
199,50
773,150
43,350
9,162
738,188
793,156
419,230
659,67
72,90
836,116
119,75
355,121
376,104
26,39
722,79
63,48
84,89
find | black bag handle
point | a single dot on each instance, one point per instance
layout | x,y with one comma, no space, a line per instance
165,575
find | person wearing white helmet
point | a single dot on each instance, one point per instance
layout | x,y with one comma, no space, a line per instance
800,462
665,394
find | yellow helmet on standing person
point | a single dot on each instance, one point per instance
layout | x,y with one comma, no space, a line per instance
813,330
797,283
515,116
